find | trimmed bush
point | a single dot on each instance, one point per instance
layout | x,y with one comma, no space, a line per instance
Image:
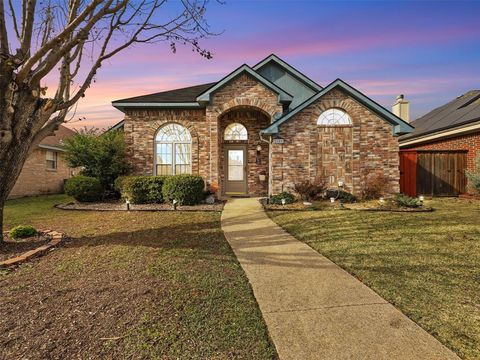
277,199
343,196
407,201
186,189
141,189
84,188
22,231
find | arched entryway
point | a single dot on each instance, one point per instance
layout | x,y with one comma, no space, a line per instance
243,165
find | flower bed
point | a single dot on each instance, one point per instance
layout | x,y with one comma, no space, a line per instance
14,252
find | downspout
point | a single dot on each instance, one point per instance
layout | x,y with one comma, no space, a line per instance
270,180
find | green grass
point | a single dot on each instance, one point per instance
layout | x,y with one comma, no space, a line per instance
427,264
165,285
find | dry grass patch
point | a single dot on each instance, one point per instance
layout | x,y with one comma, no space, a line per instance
139,285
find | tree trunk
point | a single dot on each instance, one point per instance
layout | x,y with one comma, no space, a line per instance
2,204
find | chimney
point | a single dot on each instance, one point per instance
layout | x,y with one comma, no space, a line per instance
401,108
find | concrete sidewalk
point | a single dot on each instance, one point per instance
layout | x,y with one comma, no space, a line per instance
313,309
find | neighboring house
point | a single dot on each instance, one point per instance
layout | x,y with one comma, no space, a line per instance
444,144
45,169
262,129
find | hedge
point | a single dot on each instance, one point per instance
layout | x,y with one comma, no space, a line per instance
84,188
186,189
141,189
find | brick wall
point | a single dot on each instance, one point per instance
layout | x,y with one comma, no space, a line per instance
343,153
36,179
141,127
469,142
336,153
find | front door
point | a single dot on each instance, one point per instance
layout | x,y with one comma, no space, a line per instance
235,169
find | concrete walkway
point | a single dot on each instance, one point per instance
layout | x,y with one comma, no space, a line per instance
313,309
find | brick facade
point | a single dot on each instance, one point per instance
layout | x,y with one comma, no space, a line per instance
469,142
344,153
36,179
340,153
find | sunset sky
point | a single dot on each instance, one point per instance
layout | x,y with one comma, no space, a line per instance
429,51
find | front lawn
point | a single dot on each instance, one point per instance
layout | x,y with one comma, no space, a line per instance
139,285
427,264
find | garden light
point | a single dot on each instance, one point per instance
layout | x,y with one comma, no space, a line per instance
332,200
382,200
283,201
421,198
128,204
174,202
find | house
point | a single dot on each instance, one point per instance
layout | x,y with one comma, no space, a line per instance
45,169
443,145
261,129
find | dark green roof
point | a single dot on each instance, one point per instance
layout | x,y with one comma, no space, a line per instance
183,95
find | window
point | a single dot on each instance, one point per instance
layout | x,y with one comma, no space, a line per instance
51,157
173,145
235,131
334,117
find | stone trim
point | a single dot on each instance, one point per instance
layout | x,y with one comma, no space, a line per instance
56,239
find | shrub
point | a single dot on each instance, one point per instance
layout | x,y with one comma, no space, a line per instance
277,199
474,176
374,185
141,189
407,201
310,190
343,196
21,232
84,188
186,189
99,156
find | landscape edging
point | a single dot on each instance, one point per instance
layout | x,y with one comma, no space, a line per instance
56,239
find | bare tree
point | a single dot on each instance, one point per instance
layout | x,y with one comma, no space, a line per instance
70,39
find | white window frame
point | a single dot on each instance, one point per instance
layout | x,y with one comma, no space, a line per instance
342,113
231,125
173,144
54,161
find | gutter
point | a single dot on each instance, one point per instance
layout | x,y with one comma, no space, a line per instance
464,130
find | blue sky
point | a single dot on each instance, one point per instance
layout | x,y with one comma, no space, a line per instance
429,51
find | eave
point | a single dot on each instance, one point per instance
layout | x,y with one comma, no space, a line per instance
399,126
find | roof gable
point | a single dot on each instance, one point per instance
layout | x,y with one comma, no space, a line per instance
275,60
283,96
399,126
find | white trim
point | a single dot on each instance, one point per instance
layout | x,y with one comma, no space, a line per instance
49,147
121,105
440,134
173,143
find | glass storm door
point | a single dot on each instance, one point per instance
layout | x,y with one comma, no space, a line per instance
235,169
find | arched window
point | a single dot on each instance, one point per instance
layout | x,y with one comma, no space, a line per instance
235,131
173,149
334,117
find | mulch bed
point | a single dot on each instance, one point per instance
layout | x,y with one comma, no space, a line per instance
10,248
375,206
327,205
121,206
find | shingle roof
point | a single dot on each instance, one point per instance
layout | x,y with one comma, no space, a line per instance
460,111
59,135
183,95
